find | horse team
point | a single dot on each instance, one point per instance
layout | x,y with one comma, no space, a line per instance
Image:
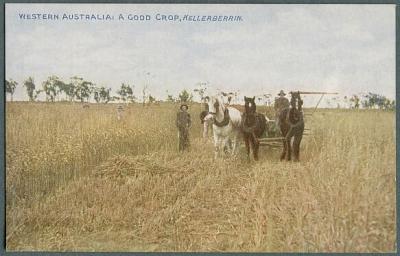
229,124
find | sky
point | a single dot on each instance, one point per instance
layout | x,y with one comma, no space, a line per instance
337,48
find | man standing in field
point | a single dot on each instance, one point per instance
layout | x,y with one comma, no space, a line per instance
183,123
281,103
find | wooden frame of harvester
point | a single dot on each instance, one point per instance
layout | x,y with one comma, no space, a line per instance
276,142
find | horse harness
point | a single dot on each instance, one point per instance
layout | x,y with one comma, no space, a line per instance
293,125
288,118
225,121
248,129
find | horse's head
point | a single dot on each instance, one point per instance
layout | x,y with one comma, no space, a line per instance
208,118
215,105
203,114
250,104
296,102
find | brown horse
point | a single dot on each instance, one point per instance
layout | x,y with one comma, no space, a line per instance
253,127
291,123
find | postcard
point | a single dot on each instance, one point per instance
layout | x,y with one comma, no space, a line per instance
200,128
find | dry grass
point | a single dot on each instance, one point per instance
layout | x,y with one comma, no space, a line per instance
78,180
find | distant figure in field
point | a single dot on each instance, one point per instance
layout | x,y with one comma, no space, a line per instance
120,109
280,104
183,123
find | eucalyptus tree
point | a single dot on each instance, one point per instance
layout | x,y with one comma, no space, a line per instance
115,98
69,90
200,90
151,99
129,93
10,87
64,89
267,98
51,87
184,96
356,101
374,100
83,90
170,98
122,92
36,94
30,88
126,92
102,94
144,94
105,94
73,87
96,95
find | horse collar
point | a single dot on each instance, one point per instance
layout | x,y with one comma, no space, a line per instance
296,123
225,121
248,129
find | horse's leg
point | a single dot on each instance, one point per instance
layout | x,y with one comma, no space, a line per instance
226,143
216,146
256,145
289,148
205,129
246,141
289,136
253,147
283,155
235,143
296,147
283,150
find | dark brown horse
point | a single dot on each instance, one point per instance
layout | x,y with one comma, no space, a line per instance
291,123
253,127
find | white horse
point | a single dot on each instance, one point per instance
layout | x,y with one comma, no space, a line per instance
226,124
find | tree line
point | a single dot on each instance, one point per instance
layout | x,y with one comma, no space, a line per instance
81,90
366,100
55,89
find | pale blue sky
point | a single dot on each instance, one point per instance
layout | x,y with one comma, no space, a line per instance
343,48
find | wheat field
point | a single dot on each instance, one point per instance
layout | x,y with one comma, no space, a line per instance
80,180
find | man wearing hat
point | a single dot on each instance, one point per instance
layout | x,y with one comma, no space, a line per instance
183,123
281,103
